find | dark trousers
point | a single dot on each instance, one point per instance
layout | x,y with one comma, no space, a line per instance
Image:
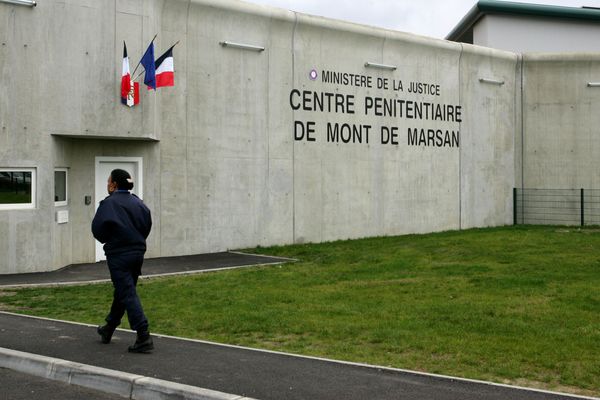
124,272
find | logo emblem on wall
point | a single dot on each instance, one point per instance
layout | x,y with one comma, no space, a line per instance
313,74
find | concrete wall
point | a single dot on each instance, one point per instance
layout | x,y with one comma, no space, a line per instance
223,164
490,90
59,82
349,190
523,34
561,122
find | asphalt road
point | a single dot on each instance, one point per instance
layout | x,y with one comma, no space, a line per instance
256,374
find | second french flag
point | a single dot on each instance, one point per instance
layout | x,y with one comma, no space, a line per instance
165,75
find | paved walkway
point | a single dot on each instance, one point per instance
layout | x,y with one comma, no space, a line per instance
223,372
152,267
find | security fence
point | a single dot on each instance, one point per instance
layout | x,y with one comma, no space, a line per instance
556,206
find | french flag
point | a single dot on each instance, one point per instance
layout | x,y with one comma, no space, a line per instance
130,94
165,74
125,76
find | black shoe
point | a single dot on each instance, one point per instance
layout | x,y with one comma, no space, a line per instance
105,333
142,344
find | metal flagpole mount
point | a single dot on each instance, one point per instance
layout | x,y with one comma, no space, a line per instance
243,46
28,3
491,81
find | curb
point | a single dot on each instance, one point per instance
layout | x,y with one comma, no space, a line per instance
124,384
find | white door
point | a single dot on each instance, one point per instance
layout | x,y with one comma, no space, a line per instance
104,166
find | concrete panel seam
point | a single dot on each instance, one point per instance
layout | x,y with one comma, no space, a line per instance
460,88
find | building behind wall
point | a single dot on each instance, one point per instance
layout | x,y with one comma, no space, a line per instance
526,28
321,130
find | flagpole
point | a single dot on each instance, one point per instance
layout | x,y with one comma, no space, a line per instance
136,67
140,74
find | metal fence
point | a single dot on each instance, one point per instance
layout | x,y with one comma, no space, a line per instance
556,206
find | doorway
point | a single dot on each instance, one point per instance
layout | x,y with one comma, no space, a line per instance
104,166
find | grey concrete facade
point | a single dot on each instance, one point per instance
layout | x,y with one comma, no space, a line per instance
561,142
239,153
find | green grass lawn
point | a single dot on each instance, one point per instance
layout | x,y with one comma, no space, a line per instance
517,305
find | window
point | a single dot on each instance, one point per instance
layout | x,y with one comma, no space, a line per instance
60,187
17,188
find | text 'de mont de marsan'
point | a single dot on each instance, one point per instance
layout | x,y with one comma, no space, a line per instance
388,108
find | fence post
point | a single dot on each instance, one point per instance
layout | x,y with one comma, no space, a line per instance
582,205
514,206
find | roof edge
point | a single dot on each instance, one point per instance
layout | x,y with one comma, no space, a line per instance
465,23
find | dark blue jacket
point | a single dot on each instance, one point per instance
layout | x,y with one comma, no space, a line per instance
122,222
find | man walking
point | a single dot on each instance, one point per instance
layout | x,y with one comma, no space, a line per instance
123,222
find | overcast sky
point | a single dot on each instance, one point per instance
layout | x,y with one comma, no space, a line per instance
435,18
